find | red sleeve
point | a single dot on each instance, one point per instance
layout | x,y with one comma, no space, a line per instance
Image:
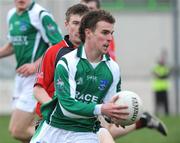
112,50
45,74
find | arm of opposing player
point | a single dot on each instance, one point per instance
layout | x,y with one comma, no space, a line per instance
45,74
41,95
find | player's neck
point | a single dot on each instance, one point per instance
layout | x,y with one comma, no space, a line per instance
92,54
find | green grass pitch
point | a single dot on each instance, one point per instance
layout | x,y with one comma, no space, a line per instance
140,136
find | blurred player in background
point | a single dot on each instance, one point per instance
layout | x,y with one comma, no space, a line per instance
161,84
31,30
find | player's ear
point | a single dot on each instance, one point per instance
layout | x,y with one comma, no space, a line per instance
66,23
88,32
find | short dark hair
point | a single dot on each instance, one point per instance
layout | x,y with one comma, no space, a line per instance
78,9
91,19
98,4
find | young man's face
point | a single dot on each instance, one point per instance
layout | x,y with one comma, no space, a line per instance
91,5
72,27
21,5
102,36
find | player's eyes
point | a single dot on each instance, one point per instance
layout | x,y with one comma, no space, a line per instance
76,22
105,32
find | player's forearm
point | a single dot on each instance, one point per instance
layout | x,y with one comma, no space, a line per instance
117,132
6,50
29,68
37,63
41,95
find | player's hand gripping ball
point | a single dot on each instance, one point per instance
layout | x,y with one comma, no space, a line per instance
135,107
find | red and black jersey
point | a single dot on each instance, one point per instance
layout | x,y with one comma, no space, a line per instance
45,75
111,50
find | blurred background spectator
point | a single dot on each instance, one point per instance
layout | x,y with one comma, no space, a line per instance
160,85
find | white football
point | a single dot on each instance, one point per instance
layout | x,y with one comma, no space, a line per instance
135,107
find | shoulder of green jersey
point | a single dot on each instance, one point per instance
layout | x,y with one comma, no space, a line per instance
10,13
62,63
45,13
70,57
34,14
113,66
35,11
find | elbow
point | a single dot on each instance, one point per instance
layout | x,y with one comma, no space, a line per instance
37,91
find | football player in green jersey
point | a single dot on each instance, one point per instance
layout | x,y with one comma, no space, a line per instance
31,30
147,120
85,81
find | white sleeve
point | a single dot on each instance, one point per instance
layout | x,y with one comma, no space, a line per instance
9,15
116,81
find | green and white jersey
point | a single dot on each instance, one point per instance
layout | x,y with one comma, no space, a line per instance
31,32
79,87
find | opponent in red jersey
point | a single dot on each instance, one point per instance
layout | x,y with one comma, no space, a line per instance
44,86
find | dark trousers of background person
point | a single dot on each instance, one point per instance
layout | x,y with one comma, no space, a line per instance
162,100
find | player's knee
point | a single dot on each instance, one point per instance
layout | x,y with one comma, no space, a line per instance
16,133
104,136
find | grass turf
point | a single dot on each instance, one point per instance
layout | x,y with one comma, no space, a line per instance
152,136
140,136
4,134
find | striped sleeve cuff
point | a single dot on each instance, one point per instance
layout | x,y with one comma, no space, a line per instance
97,110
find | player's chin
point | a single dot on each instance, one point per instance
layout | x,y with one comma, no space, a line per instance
105,50
77,38
21,8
